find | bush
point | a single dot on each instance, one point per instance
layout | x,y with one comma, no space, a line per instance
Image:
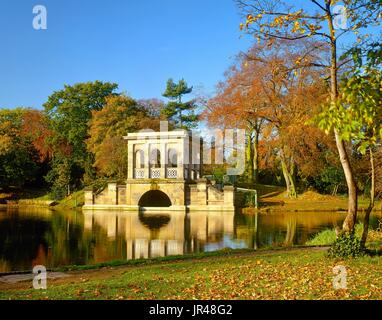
250,199
346,246
57,192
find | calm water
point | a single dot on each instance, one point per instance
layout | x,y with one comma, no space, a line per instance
40,236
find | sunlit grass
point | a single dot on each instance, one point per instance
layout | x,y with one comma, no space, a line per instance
302,274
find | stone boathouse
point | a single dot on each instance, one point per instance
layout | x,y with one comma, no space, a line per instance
164,173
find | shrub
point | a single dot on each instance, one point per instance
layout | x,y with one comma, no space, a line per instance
57,192
250,199
346,246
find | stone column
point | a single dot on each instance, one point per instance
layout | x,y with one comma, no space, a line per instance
181,159
229,195
130,160
112,193
163,159
147,160
202,191
89,197
128,194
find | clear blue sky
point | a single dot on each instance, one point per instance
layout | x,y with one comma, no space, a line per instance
137,44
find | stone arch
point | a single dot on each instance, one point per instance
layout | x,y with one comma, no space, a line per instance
172,158
155,158
154,198
139,159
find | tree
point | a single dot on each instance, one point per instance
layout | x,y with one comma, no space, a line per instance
69,111
235,106
35,126
358,114
272,19
120,116
153,107
19,160
263,95
182,114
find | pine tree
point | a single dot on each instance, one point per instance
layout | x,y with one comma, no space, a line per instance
181,114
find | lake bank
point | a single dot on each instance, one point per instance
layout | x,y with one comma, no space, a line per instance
276,274
271,199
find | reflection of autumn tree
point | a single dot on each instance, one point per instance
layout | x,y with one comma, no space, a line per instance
291,226
68,242
16,245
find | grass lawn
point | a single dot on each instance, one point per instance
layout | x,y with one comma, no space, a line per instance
286,274
272,198
31,197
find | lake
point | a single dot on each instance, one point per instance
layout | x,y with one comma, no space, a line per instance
32,236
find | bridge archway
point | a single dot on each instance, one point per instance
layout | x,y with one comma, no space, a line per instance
154,198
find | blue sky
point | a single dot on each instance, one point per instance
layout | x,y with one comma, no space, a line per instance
137,44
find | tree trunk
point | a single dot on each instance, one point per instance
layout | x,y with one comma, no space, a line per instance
348,225
293,193
371,204
290,185
286,176
256,157
250,159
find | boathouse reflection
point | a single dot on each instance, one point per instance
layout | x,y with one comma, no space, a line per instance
150,235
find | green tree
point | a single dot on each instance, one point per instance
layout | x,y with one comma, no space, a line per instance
69,111
358,113
182,114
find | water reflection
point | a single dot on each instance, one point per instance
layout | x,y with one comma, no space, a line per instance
35,236
148,235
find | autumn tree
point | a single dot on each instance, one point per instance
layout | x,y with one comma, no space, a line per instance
235,106
273,19
120,115
266,96
181,114
19,159
35,127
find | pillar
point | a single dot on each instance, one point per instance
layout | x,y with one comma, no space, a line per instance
112,193
163,159
89,197
147,160
229,195
130,160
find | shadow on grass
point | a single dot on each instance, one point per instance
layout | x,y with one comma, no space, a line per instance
374,252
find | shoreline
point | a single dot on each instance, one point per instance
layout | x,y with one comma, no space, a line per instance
244,210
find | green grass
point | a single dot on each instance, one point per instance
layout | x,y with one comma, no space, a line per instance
296,274
75,200
42,198
328,236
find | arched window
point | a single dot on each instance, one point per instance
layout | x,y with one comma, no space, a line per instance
172,158
155,158
139,159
